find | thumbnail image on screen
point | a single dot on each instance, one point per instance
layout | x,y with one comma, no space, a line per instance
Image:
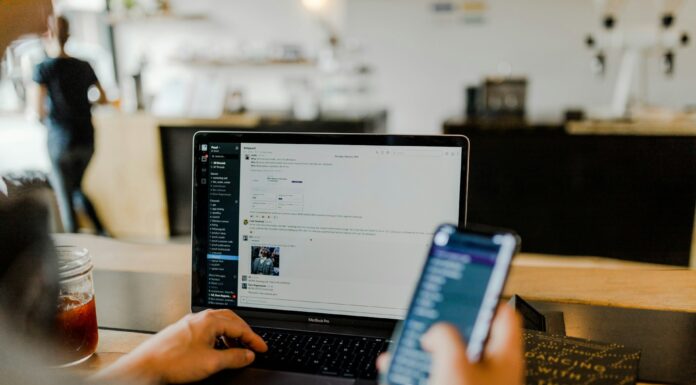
265,260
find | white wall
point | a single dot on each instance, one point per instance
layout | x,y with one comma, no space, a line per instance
228,24
423,65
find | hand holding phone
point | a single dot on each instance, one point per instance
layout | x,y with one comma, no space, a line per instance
501,364
461,283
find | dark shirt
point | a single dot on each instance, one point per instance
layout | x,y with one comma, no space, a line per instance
69,110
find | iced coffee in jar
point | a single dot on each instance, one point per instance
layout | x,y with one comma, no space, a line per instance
76,317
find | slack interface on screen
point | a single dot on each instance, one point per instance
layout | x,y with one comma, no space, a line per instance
221,175
335,229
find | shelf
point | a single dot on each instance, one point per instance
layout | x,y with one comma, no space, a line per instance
116,18
245,63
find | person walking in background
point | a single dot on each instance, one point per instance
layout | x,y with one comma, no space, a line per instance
63,106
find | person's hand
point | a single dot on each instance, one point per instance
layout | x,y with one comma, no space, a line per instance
502,362
184,351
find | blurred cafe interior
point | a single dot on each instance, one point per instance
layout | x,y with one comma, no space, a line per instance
580,114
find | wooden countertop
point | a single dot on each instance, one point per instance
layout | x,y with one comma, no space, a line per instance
588,280
230,120
236,120
582,279
113,345
676,127
682,126
125,178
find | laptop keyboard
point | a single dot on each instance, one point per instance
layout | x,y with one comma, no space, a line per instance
326,354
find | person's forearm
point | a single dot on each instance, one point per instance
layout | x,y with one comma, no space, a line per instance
102,99
39,93
41,113
102,94
131,369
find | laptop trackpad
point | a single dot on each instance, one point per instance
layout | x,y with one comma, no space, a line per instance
273,377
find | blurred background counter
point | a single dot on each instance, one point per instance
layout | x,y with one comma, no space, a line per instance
617,189
140,176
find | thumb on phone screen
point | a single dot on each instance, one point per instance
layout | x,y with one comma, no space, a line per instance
502,362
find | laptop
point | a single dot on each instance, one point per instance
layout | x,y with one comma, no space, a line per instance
317,241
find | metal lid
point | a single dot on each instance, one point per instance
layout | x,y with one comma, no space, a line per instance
73,261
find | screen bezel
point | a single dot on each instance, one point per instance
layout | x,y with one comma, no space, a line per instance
198,233
501,269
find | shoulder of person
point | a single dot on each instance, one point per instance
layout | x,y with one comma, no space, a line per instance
48,62
84,63
71,61
75,61
47,66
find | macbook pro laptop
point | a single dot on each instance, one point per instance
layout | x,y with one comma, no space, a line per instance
317,241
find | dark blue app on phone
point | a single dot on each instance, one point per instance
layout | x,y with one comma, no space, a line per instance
452,288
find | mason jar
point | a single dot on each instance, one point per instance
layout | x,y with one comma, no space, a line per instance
76,317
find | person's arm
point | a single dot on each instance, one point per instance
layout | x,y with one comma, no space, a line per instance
502,362
92,78
102,94
40,101
184,351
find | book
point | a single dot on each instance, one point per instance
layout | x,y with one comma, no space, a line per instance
559,360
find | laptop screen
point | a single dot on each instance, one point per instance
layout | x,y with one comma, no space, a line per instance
316,228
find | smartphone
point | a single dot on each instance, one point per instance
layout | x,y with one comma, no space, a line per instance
461,283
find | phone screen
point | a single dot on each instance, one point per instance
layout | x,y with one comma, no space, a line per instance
460,284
